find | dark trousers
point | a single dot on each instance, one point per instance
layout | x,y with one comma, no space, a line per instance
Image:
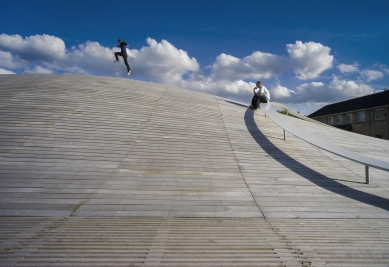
124,55
258,99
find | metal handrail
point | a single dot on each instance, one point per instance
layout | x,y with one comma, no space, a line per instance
337,150
298,115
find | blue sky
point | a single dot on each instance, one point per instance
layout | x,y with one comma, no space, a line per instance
307,53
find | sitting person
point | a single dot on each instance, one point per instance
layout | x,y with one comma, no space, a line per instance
262,96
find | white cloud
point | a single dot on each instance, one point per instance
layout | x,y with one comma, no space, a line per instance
39,70
6,60
310,59
237,90
9,61
77,70
349,89
318,92
344,68
91,57
34,48
371,75
312,92
162,61
3,71
280,92
227,75
256,66
306,108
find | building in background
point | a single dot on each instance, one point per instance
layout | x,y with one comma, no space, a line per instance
366,115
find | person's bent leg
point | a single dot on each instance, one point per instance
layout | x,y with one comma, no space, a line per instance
116,55
254,101
261,99
126,62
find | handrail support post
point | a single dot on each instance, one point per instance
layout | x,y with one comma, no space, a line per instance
367,174
284,135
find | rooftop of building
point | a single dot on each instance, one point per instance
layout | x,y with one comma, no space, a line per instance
364,102
116,172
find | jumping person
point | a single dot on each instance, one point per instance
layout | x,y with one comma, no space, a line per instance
262,96
122,53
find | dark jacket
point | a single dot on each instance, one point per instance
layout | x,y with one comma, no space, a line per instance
123,46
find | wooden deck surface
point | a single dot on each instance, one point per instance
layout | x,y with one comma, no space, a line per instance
99,171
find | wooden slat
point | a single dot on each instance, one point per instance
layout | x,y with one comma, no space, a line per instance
100,171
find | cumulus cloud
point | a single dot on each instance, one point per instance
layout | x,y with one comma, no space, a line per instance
35,47
159,61
239,90
39,70
88,58
318,92
280,92
3,71
162,61
255,66
227,75
310,59
349,89
7,60
367,75
372,75
344,68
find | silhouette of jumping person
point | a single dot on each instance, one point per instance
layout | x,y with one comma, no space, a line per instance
122,53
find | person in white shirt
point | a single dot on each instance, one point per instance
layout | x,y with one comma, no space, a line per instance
261,96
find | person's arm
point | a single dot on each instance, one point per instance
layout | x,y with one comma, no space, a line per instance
260,91
254,90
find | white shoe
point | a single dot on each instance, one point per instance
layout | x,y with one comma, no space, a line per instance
116,61
129,72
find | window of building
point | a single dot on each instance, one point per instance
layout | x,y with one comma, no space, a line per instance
349,118
330,120
339,119
379,114
321,119
360,116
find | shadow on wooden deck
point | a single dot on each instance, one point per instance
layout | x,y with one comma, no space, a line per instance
308,173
